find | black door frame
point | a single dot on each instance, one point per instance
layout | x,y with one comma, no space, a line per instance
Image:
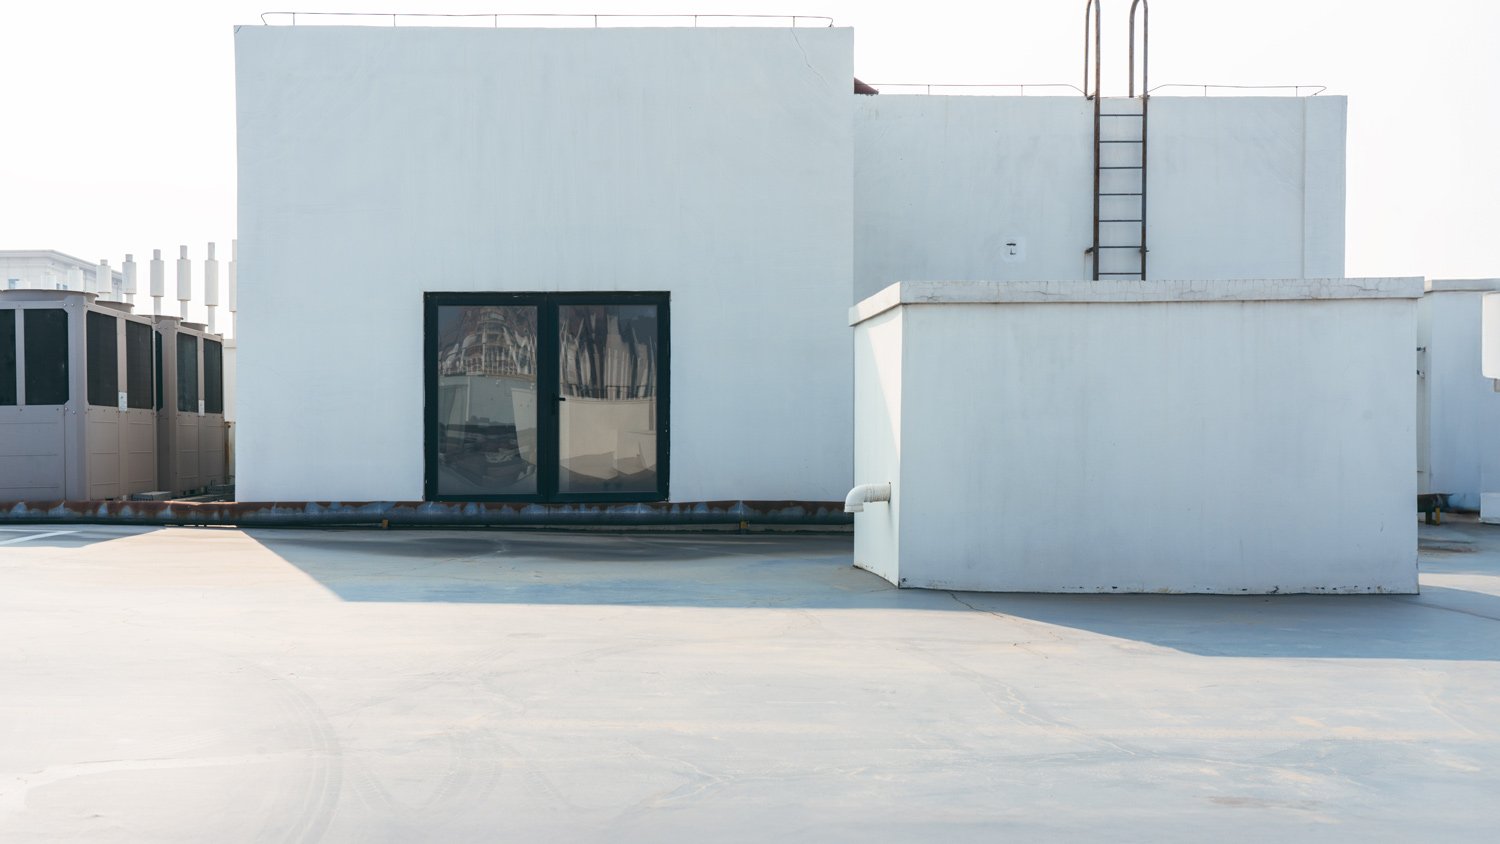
548,395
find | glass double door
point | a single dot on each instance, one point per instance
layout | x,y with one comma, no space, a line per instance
547,397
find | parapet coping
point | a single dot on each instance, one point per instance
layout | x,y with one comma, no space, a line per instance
1117,292
1463,285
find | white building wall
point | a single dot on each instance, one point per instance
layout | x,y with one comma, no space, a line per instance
1489,462
877,438
1239,187
941,183
377,164
1463,409
1217,437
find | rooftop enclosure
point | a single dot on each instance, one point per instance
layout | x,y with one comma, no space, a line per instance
1223,437
378,165
1001,188
1459,412
1489,453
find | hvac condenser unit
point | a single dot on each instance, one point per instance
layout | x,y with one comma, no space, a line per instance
77,404
190,428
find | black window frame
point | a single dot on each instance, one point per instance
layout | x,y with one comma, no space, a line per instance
547,405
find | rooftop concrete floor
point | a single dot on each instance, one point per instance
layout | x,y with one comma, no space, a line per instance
224,685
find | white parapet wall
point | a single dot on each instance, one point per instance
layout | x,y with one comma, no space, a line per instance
1001,188
1160,436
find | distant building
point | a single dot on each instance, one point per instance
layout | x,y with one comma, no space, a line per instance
1459,411
48,269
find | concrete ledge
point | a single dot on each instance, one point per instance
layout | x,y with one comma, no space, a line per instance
425,513
1082,292
1463,285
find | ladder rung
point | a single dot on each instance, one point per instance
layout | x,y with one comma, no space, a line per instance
1121,167
1131,246
1119,114
1137,272
1122,142
1122,221
1127,193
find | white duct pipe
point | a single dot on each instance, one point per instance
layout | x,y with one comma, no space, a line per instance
104,280
211,286
130,282
864,494
76,280
158,281
184,281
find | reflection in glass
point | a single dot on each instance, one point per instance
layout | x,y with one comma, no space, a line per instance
607,382
486,423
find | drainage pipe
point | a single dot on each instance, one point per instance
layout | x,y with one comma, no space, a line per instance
864,494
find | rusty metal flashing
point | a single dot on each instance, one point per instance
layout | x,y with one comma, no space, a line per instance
425,513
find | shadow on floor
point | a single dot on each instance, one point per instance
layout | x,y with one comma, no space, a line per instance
807,571
1441,623
15,537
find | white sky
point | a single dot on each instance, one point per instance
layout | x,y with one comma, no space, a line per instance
118,117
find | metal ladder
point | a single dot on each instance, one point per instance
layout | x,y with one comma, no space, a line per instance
1119,249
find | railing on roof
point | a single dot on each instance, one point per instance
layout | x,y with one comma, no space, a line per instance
1295,89
559,18
970,89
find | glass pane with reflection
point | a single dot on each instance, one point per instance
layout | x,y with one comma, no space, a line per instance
607,385
486,414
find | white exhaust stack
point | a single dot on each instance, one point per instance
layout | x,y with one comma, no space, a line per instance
104,280
158,281
211,286
184,281
129,269
75,279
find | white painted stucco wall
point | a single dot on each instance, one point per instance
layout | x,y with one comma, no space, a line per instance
1489,444
1239,187
1225,436
1462,408
377,164
877,436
